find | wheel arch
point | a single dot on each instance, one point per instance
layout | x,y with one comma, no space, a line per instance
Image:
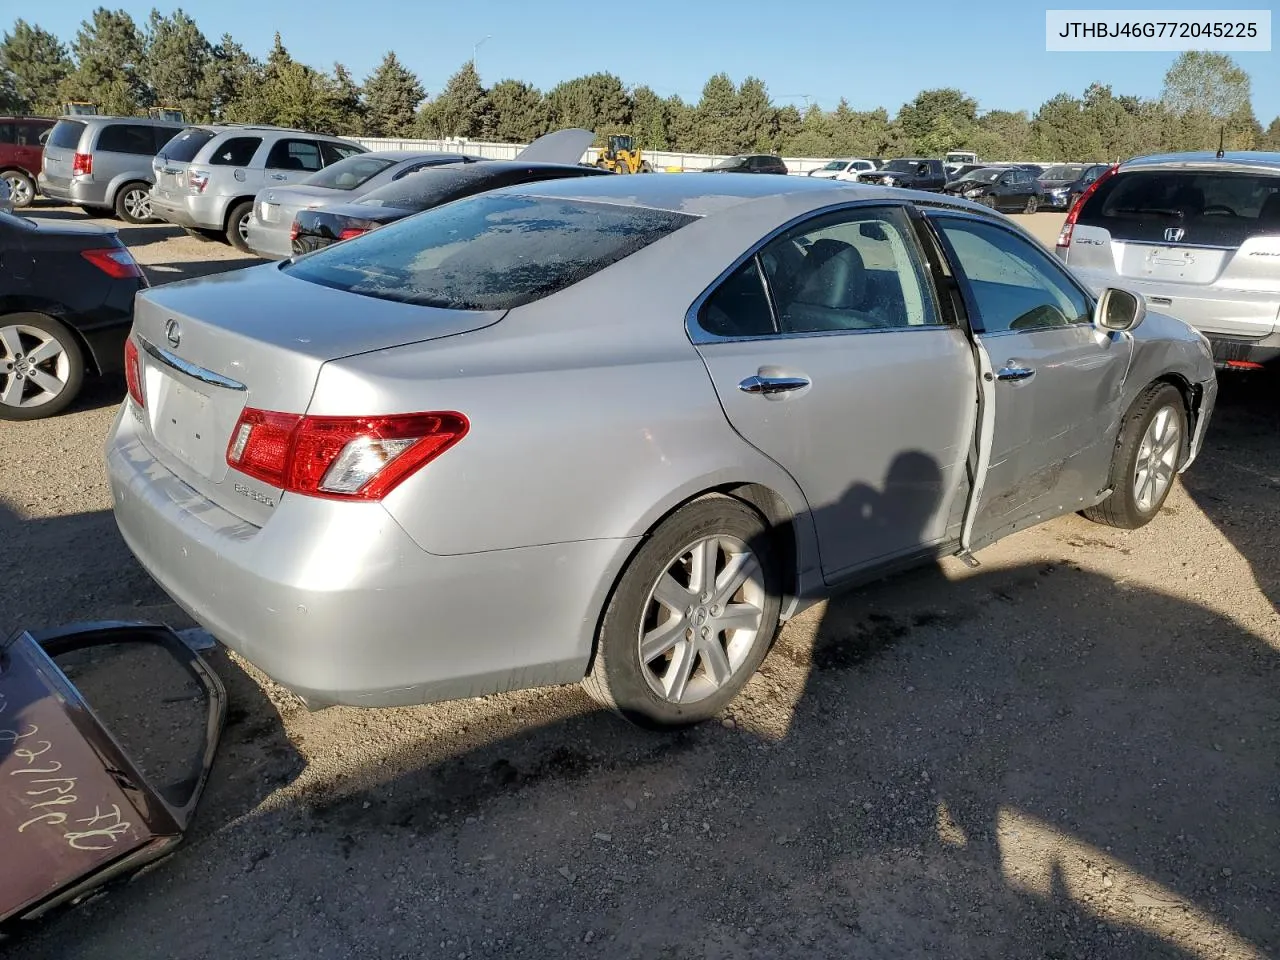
53,311
121,181
1192,395
231,204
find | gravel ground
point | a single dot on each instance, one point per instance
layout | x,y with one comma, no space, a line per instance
1069,752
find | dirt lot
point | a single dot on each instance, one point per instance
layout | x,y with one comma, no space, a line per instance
1069,752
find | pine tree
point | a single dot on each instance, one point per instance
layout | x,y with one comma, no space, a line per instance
109,64
177,58
33,63
392,95
518,112
461,110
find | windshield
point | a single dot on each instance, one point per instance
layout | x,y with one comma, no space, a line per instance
985,175
184,147
1064,171
488,252
902,166
349,173
837,165
733,163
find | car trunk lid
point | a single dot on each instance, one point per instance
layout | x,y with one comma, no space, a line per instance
207,350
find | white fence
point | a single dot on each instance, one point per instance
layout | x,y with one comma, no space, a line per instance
660,160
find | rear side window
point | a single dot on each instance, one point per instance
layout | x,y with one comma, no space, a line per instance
127,138
184,147
66,134
236,151
1201,208
489,252
295,155
7,132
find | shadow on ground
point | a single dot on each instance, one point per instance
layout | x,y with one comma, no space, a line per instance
1034,761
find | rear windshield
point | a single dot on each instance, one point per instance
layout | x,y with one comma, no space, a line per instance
420,190
488,252
184,147
1211,208
349,173
66,134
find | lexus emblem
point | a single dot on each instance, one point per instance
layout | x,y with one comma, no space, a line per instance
173,333
1174,234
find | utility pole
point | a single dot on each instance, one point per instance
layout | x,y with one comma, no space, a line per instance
475,47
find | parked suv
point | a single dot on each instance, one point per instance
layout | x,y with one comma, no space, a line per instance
207,176
1196,234
751,163
103,164
914,173
21,143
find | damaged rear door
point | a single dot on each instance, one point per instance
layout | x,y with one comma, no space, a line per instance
1052,380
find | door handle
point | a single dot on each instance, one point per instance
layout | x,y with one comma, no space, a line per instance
771,385
1012,372
278,176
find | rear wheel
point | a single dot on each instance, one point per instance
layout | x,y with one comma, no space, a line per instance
22,189
691,617
41,366
1153,441
238,226
133,203
1033,203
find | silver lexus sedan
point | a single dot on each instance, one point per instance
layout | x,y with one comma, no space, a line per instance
615,429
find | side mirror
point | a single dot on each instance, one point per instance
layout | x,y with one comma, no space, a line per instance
1119,310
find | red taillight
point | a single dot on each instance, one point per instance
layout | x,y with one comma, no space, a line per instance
1244,365
197,180
351,232
344,458
133,372
82,164
1068,225
295,230
114,261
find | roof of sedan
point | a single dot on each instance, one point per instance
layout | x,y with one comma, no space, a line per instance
694,193
1231,159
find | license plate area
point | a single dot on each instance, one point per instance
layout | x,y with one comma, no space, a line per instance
183,422
269,212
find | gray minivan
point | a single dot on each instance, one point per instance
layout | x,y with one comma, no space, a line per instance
207,176
103,164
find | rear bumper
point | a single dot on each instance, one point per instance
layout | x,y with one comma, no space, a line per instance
1235,353
198,213
79,192
270,240
336,602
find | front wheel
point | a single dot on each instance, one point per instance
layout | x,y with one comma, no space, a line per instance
691,617
1151,447
41,366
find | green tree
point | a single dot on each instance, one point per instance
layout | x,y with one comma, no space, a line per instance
922,118
716,117
461,110
518,112
815,137
393,95
1062,131
1206,83
1271,139
348,106
756,118
231,82
681,123
789,123
109,64
649,120
598,102
176,63
1002,133
33,64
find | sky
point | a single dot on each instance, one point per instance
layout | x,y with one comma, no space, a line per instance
805,52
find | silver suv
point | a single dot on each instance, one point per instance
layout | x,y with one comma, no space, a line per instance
207,176
1198,235
103,164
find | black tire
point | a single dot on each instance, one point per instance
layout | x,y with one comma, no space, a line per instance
133,203
1033,204
74,360
619,680
1122,508
22,189
239,214
646,166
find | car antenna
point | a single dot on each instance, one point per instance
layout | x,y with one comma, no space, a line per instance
1222,136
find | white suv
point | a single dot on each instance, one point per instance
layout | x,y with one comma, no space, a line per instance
207,176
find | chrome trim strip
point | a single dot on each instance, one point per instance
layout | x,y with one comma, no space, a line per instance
190,369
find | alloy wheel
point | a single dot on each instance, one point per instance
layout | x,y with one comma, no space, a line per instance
20,192
137,203
1157,460
34,367
702,619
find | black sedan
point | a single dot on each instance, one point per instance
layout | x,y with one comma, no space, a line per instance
1066,181
427,188
749,163
66,305
1008,189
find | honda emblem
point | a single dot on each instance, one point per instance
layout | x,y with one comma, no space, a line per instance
1174,234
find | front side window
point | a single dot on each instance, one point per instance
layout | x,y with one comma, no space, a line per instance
295,155
488,252
1016,287
235,151
852,270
